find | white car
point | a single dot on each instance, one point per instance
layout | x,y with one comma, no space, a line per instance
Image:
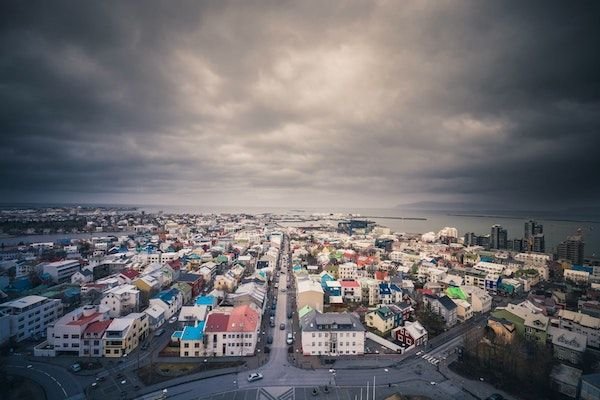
255,377
172,320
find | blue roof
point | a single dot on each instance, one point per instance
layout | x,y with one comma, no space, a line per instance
584,268
395,287
167,295
193,332
206,301
384,288
177,334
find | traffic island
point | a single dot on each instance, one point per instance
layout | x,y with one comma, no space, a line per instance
162,372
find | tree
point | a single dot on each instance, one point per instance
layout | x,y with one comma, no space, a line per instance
431,321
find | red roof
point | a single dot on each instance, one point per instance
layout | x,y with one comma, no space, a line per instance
243,319
97,327
216,322
130,273
85,320
175,264
425,291
364,260
349,284
381,275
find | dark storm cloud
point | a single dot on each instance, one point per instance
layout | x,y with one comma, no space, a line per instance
314,103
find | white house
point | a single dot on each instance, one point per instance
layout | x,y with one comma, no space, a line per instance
61,271
121,300
169,300
332,334
66,334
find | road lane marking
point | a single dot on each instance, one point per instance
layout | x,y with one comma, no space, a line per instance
48,375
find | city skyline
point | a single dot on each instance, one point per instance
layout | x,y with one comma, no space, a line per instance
304,104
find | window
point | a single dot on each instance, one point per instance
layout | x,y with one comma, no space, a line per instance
186,345
185,353
96,342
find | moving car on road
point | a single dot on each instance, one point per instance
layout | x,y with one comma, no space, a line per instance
282,326
255,377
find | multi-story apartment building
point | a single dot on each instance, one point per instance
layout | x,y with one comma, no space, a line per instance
480,300
31,315
121,300
347,271
370,291
124,334
332,334
475,278
443,306
351,290
61,271
230,332
92,344
66,333
583,324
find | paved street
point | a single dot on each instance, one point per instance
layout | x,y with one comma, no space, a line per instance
57,382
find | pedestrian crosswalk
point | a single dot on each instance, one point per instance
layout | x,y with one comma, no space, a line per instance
430,359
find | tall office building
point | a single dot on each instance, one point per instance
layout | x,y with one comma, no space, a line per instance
498,237
515,245
533,238
571,249
532,228
539,243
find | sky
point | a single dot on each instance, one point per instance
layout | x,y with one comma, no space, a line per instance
301,103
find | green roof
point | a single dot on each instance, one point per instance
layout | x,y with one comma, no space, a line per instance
455,292
304,310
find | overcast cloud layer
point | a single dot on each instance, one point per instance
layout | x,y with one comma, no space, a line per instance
301,103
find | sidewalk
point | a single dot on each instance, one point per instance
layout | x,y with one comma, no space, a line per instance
188,378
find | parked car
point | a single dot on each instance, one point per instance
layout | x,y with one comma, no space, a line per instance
172,320
76,367
290,338
269,339
255,377
159,332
